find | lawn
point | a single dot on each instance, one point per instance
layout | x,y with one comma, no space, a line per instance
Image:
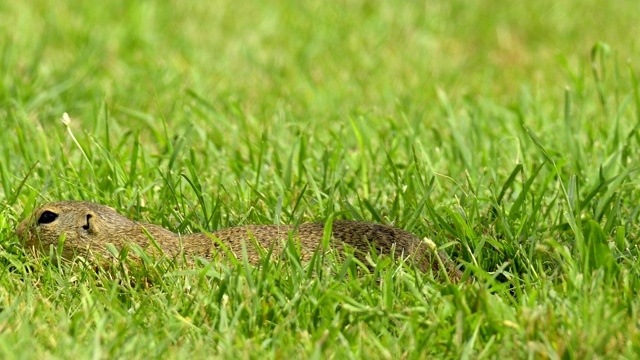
506,132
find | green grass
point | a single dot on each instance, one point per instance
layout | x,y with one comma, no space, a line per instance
506,132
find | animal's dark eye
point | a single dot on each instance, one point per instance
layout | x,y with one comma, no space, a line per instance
47,217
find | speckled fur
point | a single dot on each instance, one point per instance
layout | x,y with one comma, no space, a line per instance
88,227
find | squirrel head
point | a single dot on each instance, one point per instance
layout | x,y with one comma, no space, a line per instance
76,225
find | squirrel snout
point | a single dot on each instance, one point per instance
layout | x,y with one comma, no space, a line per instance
20,230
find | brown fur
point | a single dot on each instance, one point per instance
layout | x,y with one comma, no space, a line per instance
88,227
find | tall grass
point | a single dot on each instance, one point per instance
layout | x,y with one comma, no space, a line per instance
506,133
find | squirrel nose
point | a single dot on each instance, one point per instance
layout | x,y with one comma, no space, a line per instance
21,227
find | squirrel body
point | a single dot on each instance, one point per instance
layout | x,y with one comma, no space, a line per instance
88,227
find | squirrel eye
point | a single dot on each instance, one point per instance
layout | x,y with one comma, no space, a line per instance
47,217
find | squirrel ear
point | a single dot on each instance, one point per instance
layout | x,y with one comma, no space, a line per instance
89,224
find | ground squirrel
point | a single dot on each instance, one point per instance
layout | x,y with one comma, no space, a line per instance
88,227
